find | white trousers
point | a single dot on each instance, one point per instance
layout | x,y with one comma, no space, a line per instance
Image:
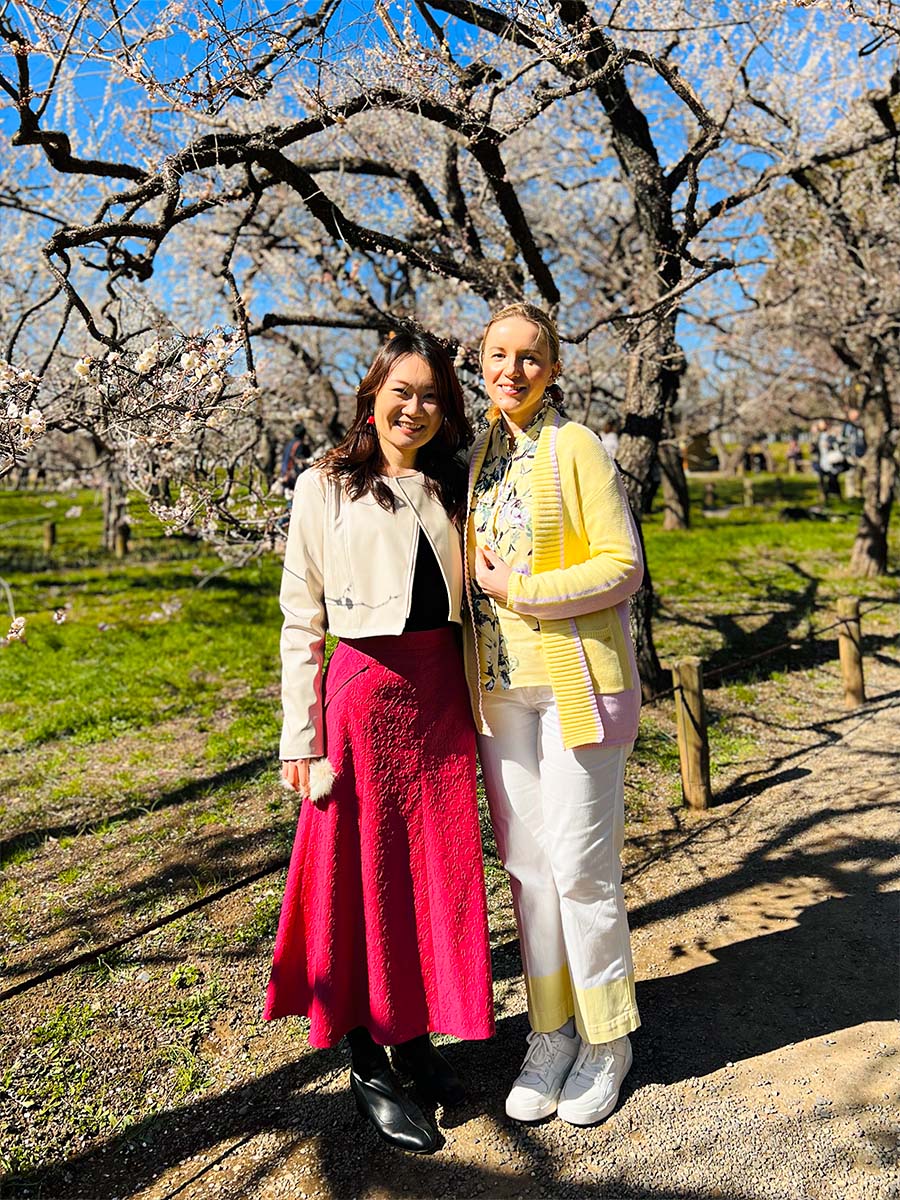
559,823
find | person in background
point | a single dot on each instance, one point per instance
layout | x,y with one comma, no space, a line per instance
552,557
853,440
383,930
794,455
831,459
295,457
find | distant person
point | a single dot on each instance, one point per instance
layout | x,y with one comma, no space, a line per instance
853,440
295,458
830,458
794,456
383,932
609,436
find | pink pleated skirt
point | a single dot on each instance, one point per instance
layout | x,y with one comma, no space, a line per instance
384,920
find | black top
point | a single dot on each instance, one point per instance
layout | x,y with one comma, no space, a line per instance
430,600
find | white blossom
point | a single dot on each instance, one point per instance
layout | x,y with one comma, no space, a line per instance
16,630
147,359
33,423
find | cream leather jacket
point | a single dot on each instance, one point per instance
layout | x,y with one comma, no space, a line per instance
348,569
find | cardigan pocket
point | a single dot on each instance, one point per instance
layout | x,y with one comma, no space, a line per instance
606,659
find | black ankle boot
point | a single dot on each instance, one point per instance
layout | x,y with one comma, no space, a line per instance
430,1071
396,1118
366,1056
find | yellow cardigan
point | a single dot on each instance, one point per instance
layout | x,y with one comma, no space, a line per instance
586,562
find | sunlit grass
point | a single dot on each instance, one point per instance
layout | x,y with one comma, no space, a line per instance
138,642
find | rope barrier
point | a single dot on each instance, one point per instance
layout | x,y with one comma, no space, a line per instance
793,643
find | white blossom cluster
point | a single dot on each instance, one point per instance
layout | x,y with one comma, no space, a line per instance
181,419
161,396
21,421
16,630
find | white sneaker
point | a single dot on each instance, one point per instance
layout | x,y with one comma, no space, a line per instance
536,1091
592,1088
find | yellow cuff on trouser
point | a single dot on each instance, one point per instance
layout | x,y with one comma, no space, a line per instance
601,1013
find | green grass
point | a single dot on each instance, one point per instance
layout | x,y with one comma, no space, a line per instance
731,586
63,1025
193,1013
191,1072
254,730
54,1079
185,975
262,923
19,854
141,642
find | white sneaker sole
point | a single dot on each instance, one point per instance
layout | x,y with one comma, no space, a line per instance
574,1112
545,1107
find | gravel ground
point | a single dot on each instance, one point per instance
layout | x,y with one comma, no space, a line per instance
768,1064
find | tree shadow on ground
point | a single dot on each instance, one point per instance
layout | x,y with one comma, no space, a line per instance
837,968
776,644
774,770
183,794
784,857
301,1124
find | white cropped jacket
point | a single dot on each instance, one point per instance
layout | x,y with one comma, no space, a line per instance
348,570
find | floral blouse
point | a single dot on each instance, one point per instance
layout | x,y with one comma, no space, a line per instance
509,645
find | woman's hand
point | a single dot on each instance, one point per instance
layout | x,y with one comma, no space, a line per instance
492,574
295,775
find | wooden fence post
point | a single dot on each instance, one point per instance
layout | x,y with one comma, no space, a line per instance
693,743
850,650
748,493
49,536
123,529
709,496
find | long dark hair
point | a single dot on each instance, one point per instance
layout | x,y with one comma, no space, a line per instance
358,461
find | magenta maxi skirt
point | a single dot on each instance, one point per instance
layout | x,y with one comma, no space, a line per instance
384,920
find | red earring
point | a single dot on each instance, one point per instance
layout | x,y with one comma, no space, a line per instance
370,419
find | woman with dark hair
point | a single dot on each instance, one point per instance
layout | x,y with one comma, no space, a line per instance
383,929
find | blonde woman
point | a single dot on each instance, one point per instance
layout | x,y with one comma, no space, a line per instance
553,556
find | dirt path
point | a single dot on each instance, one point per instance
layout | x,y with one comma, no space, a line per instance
768,1063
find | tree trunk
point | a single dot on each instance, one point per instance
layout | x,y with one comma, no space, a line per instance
642,610
676,502
654,373
267,456
730,461
869,555
115,510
